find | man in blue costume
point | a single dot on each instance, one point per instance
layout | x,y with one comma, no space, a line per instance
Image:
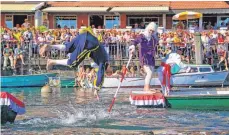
85,44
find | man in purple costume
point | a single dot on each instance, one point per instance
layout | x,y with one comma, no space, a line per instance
148,41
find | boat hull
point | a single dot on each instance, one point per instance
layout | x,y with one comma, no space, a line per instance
179,80
26,80
200,79
112,82
67,82
209,99
200,102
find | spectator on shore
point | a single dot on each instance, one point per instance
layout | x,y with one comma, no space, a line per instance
17,35
220,39
109,38
132,72
142,25
27,35
57,37
17,27
209,26
215,27
8,56
18,54
26,24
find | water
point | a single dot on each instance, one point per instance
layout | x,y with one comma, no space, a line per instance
76,111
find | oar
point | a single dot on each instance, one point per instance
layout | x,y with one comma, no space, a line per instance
124,73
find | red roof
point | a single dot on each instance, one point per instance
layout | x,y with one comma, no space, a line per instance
172,4
198,4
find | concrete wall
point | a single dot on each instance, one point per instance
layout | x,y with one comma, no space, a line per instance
123,20
51,21
2,19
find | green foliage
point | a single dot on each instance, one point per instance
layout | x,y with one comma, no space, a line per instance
42,28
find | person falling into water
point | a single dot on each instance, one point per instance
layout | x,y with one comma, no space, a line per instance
85,44
148,41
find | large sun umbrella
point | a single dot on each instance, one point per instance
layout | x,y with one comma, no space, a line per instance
187,15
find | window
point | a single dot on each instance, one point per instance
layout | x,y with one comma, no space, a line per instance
132,20
149,20
97,21
69,21
9,21
193,70
209,20
205,69
111,21
176,23
223,21
191,23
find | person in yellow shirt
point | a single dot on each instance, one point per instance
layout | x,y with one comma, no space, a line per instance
100,37
17,35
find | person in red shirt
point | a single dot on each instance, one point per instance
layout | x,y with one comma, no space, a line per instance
220,39
223,55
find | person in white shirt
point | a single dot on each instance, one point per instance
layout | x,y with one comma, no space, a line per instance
6,36
205,40
172,62
26,24
169,40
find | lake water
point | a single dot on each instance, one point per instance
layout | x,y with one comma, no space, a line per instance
76,111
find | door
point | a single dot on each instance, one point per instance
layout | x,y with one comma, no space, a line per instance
19,19
97,20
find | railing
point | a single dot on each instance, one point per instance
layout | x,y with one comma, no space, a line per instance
116,51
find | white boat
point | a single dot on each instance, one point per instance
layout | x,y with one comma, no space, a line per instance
199,75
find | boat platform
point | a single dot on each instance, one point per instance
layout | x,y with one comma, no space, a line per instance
147,99
195,99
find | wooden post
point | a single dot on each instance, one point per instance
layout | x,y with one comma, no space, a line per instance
198,48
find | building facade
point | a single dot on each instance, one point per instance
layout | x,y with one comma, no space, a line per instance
107,14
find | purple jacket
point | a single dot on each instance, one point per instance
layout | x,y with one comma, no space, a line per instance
147,49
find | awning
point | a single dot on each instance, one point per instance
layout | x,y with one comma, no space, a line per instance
18,7
205,11
76,9
140,9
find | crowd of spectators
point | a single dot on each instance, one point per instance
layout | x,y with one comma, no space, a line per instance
15,41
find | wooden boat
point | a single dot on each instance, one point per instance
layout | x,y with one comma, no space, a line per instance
201,99
199,75
34,80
